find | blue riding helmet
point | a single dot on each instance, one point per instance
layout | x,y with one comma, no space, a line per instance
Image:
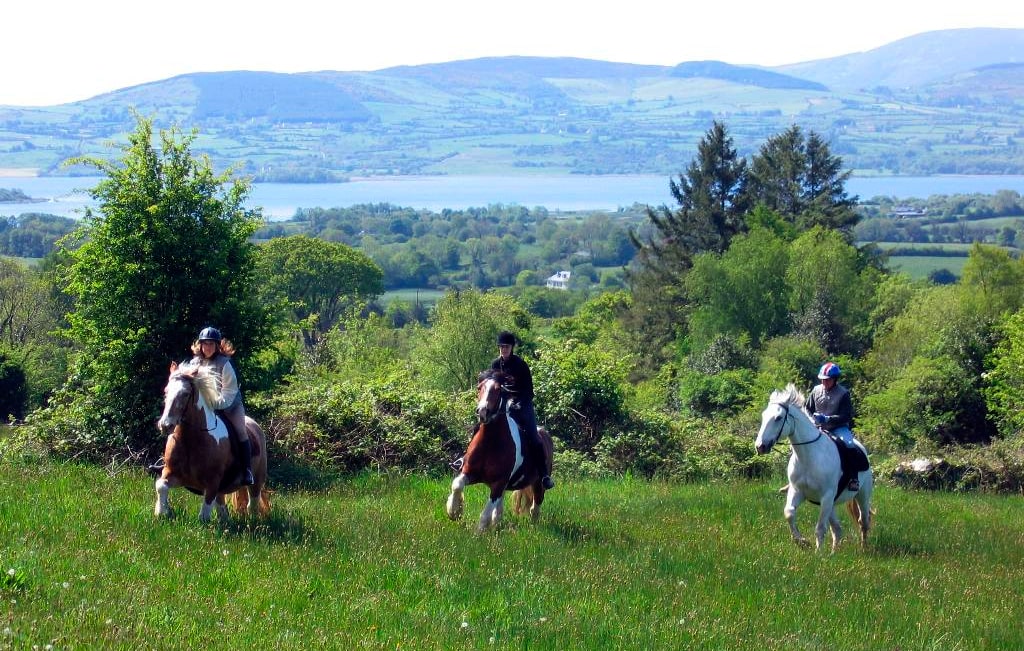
829,370
210,334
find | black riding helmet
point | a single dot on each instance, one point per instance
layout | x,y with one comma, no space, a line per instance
506,338
210,334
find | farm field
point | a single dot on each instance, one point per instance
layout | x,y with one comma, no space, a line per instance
373,562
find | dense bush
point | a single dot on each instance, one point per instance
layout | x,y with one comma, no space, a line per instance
579,392
386,423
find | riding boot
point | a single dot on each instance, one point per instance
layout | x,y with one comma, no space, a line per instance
245,451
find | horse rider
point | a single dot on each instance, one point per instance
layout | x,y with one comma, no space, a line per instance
832,408
521,407
213,352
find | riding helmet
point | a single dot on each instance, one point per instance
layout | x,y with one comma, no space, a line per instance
210,334
506,338
829,370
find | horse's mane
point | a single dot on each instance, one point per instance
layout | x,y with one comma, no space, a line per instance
791,396
490,374
206,383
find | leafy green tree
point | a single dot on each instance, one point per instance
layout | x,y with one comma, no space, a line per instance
580,392
1004,379
993,281
319,280
831,288
710,210
797,176
461,340
740,292
165,253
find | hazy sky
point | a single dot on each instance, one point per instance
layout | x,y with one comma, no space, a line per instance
59,51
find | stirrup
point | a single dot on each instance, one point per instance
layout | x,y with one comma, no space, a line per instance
246,478
547,482
457,464
854,485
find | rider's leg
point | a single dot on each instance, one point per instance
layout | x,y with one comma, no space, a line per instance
236,414
845,434
528,420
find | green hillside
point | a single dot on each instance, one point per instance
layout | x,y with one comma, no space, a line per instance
900,109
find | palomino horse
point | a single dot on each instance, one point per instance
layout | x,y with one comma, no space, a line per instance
814,468
496,457
198,453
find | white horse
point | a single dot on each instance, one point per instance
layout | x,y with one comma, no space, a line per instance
814,468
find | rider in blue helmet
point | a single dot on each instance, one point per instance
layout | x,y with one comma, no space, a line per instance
522,389
830,405
213,352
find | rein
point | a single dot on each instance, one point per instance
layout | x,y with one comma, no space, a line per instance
786,406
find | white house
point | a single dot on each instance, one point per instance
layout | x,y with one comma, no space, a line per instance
559,281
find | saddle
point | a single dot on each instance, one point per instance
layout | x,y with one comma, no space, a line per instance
852,461
236,468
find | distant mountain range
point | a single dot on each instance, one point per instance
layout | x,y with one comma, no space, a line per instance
940,102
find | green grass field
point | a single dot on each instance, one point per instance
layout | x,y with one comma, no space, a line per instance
374,562
919,267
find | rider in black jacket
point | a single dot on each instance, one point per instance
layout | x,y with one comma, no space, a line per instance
521,387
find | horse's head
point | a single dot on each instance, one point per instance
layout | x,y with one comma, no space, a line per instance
178,395
488,396
779,418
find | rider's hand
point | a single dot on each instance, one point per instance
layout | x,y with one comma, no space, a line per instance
820,419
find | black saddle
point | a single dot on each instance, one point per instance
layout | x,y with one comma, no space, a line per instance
852,461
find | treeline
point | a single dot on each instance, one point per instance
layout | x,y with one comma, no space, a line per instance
32,235
944,219
496,245
750,282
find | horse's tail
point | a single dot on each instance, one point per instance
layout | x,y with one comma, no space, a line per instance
240,501
522,499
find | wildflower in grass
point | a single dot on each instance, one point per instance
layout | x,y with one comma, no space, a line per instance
465,625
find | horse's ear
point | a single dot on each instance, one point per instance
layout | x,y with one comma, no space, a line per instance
174,366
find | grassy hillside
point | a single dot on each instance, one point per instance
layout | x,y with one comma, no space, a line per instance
373,562
942,102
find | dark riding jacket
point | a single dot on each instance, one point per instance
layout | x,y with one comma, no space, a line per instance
835,404
522,384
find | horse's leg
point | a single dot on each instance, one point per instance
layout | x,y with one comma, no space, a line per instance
836,527
862,504
253,507
491,515
538,499
209,497
222,508
455,498
163,506
793,499
825,514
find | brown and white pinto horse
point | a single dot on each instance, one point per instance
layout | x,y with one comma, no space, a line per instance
496,457
198,453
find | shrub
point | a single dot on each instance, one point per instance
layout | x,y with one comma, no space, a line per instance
389,422
719,394
579,392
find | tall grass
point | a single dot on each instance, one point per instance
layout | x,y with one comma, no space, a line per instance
374,562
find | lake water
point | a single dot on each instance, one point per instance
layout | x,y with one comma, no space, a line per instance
68,197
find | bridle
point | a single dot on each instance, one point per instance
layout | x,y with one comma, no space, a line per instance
490,414
786,406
